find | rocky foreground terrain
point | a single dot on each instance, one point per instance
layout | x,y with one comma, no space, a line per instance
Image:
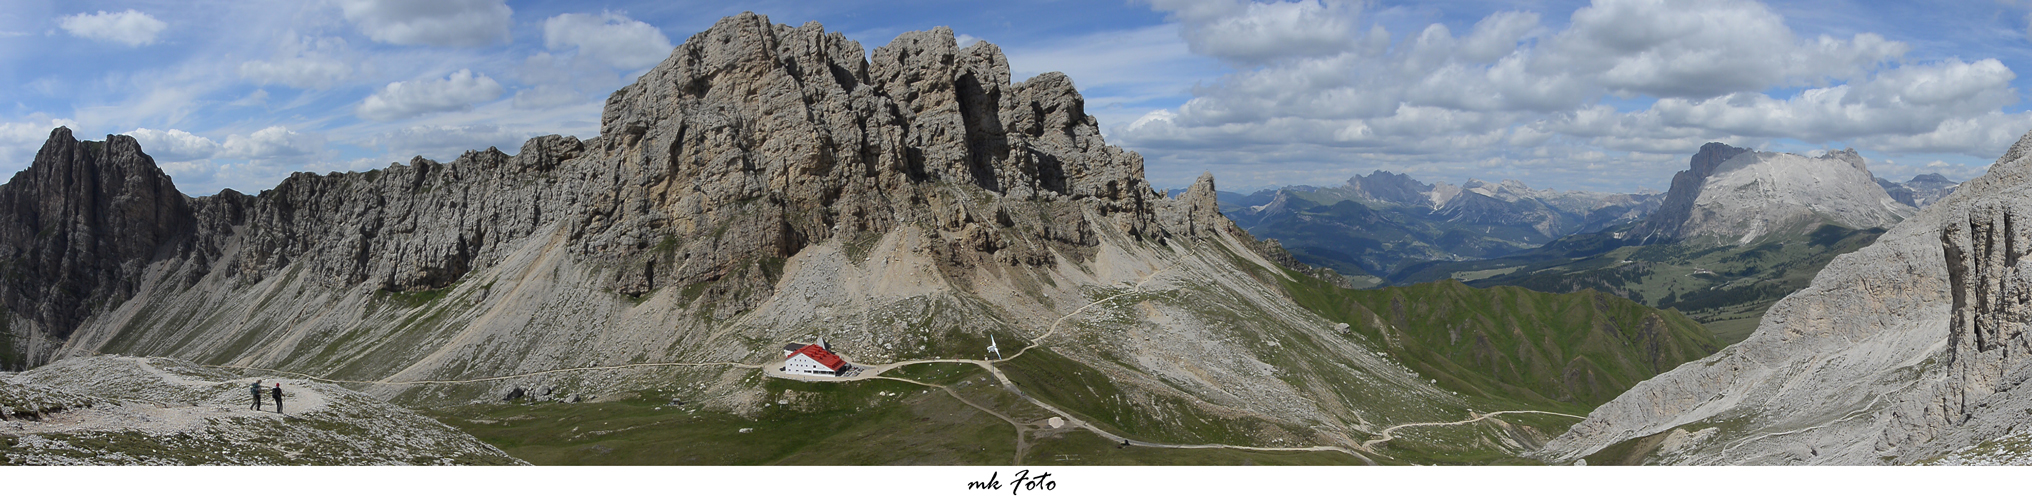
118,410
1911,350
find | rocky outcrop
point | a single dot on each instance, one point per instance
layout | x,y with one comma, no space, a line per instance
1733,196
76,228
1909,349
1677,207
750,143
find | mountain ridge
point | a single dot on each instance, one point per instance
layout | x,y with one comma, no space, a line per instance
1734,196
1375,224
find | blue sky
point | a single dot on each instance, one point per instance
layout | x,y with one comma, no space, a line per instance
1601,95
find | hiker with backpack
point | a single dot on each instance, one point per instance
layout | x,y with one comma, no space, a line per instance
256,389
278,397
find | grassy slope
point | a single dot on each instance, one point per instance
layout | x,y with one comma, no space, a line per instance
850,424
1516,348
1726,288
833,423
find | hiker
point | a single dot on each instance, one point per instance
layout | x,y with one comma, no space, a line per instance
256,389
278,397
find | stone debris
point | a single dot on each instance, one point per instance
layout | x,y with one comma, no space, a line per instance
155,411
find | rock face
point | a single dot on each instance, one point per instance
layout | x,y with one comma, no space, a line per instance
76,227
765,184
751,142
1910,349
1734,196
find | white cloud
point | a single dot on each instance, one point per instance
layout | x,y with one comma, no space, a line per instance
1908,100
20,140
1314,84
547,96
277,142
456,92
1249,34
465,23
1989,132
609,38
174,145
129,27
302,62
1703,48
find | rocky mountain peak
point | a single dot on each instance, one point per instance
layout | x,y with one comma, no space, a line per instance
75,227
1930,178
1730,195
1848,156
751,143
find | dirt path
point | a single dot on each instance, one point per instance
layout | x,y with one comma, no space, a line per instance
485,379
1385,435
875,372
1138,288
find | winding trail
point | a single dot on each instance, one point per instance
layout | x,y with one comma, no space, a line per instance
1385,435
875,371
485,379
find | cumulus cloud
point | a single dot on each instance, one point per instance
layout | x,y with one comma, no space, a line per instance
1313,80
609,38
456,92
1703,48
464,23
174,145
277,142
302,62
1248,34
20,140
130,27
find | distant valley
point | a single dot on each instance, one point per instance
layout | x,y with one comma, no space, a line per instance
1375,225
1739,230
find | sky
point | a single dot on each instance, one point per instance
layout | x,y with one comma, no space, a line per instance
1602,95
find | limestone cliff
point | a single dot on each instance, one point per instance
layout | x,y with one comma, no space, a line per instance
1732,196
76,227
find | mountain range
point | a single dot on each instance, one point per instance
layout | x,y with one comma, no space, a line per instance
768,184
1374,225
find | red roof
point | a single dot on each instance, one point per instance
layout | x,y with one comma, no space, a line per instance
822,356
